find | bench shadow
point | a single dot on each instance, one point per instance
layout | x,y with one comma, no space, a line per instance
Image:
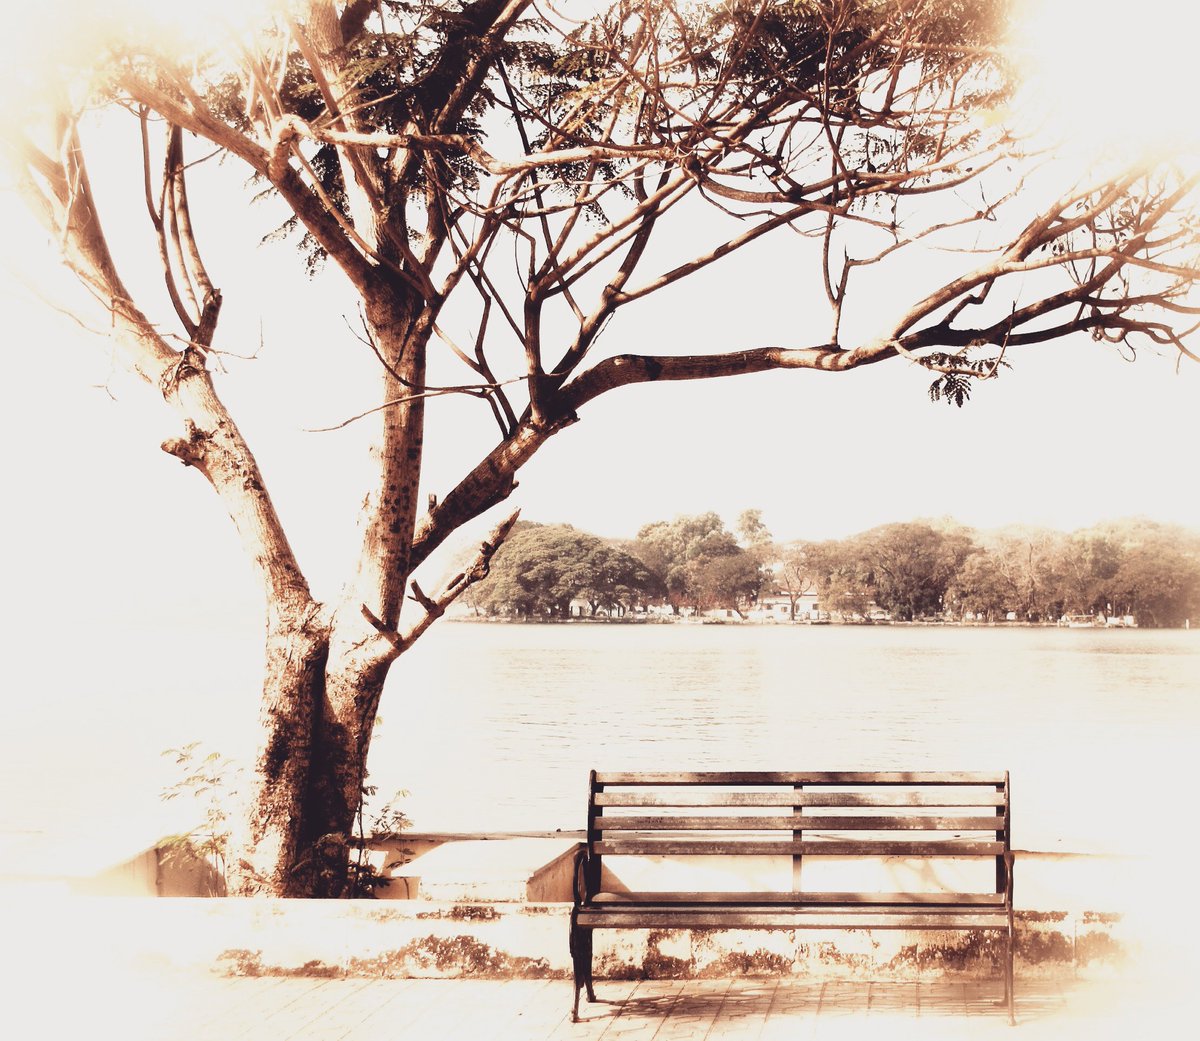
937,999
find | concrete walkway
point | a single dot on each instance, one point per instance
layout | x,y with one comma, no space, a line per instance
158,1006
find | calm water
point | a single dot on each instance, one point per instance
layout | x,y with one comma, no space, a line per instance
494,727
1098,728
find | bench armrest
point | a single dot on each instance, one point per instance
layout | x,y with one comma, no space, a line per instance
579,877
1009,861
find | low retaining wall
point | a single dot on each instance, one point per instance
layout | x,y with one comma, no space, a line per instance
498,911
519,940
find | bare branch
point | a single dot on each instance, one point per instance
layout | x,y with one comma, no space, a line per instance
434,607
478,390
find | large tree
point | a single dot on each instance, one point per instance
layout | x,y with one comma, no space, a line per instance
541,568
842,577
1029,559
1159,584
496,184
911,565
980,587
699,561
796,572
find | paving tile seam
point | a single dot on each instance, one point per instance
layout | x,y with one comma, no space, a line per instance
737,1009
319,1029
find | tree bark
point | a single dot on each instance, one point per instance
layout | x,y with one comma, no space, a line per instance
361,639
317,714
272,836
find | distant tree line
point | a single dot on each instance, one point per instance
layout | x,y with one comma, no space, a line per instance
912,570
543,568
919,570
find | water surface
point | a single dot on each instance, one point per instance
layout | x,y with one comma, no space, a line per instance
494,726
499,724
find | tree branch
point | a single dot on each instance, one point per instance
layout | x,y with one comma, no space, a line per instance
434,607
312,213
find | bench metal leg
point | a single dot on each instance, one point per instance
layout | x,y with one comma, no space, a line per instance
581,964
1009,996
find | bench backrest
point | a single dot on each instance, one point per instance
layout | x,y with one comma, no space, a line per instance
825,814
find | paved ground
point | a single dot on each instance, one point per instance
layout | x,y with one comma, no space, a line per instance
158,1006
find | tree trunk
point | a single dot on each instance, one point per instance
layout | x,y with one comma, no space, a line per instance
342,739
267,837
316,720
308,808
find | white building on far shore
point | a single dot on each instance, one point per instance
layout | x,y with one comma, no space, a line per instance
777,607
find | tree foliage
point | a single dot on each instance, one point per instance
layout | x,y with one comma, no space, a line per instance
541,569
700,562
910,565
796,571
914,570
731,581
1157,581
496,183
979,588
903,571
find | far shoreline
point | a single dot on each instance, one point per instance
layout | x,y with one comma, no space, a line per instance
747,623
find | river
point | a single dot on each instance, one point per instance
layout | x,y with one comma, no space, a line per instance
1098,727
493,727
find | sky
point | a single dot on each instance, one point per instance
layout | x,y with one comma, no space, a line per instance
1074,433
105,534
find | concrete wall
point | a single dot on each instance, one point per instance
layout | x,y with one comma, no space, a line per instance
488,907
70,865
525,940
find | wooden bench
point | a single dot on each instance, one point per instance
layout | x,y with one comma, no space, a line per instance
647,831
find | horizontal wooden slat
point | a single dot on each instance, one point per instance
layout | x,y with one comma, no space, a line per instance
950,900
867,912
959,899
893,798
695,797
834,847
824,918
799,822
818,777
700,797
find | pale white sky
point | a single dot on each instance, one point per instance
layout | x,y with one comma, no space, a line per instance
123,581
1073,434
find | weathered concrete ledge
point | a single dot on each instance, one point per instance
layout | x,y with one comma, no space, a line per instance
432,939
498,907
539,868
536,869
